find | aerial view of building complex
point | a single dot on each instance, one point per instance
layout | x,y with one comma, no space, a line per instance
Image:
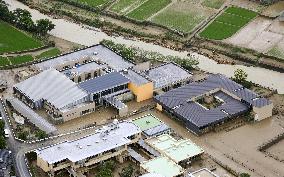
141,88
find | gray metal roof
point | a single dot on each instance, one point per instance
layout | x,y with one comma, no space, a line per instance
32,116
135,78
91,145
182,100
100,52
157,130
54,87
103,82
167,74
182,94
86,68
112,59
135,155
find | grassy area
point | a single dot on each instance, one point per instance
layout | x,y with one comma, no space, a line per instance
147,9
93,3
215,4
11,39
21,59
122,5
276,52
228,23
4,61
50,53
179,18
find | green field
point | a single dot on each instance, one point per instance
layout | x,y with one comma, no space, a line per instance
182,19
276,52
50,53
4,61
12,39
21,59
228,23
92,3
122,5
215,4
147,9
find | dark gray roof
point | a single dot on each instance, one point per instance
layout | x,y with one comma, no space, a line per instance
201,117
104,82
182,100
180,95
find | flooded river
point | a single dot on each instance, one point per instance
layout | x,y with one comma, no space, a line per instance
76,33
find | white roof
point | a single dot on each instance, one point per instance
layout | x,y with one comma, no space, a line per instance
91,145
152,175
52,86
32,116
167,74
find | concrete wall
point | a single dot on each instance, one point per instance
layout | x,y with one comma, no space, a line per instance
263,112
142,92
77,112
120,152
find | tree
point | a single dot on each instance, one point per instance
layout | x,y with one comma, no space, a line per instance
127,172
2,127
106,168
240,76
23,19
244,175
23,135
5,14
41,134
43,26
2,142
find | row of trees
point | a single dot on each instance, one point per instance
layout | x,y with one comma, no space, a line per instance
2,134
21,18
106,170
134,54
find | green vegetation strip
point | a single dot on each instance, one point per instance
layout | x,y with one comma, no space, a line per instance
228,23
21,59
183,21
215,4
92,3
4,61
147,9
12,39
50,53
121,5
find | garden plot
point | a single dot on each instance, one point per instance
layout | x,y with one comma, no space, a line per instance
228,23
182,16
262,35
126,6
12,39
92,3
147,9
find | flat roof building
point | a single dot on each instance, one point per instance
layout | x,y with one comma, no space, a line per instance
152,175
151,125
110,141
204,172
162,165
176,150
212,101
97,53
167,75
